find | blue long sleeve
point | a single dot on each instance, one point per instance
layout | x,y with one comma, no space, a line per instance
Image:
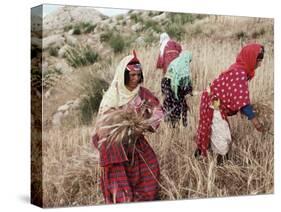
248,111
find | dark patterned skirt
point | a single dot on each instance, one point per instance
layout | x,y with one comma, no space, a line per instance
175,109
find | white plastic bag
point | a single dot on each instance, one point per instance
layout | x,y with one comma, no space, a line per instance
220,137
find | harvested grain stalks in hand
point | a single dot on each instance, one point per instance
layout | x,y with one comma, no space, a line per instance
121,126
264,113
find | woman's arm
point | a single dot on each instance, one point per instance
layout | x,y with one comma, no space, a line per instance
156,117
248,111
259,127
156,113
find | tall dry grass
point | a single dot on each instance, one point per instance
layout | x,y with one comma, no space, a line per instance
70,168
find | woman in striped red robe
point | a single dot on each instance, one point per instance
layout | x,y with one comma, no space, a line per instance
226,95
130,173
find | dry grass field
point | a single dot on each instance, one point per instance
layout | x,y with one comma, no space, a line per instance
70,165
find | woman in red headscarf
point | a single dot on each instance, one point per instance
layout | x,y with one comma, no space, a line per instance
226,95
169,50
129,169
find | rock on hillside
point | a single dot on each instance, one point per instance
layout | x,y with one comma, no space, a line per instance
71,14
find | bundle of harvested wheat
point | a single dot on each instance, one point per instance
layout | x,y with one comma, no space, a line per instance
264,112
121,126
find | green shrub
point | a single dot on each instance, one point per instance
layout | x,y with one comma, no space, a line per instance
140,20
119,17
117,43
94,89
200,16
136,18
53,51
50,77
240,35
150,14
124,23
150,39
153,25
67,28
181,18
90,56
81,56
85,24
82,27
175,31
105,37
76,30
258,33
89,28
197,30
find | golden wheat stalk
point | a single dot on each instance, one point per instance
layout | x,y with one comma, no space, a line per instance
121,126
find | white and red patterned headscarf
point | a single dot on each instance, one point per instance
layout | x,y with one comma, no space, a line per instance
164,39
117,94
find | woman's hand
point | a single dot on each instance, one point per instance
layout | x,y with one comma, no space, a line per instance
259,127
147,113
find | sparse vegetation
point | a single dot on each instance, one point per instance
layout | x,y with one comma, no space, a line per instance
119,17
81,56
153,25
150,14
240,35
150,38
83,27
76,30
50,78
175,31
53,51
197,31
93,88
67,28
181,18
117,43
200,16
88,27
124,22
136,18
105,36
258,33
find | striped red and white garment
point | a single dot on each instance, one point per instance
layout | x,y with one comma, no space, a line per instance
130,173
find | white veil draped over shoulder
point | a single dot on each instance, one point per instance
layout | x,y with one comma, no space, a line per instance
117,94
